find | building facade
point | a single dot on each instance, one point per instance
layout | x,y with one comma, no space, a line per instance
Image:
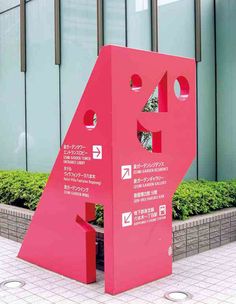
48,49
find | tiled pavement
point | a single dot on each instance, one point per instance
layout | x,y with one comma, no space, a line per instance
210,277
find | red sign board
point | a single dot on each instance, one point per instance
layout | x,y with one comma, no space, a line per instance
104,160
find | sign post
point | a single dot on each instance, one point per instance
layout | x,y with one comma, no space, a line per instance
103,161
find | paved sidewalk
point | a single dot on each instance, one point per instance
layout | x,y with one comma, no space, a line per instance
210,277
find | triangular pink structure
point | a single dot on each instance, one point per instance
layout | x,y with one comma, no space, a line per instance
102,161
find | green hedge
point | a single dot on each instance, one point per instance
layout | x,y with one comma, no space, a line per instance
199,197
20,188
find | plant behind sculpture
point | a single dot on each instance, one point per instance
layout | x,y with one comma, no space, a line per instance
145,138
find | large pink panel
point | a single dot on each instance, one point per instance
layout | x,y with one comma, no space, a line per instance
102,161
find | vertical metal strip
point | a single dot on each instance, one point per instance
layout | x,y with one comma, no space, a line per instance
197,125
22,36
198,38
126,24
198,58
26,125
57,29
154,25
23,67
57,33
216,93
100,25
59,104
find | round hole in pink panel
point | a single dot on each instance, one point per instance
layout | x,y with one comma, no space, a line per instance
135,83
181,88
90,120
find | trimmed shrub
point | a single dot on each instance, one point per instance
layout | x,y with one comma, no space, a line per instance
24,189
21,188
199,197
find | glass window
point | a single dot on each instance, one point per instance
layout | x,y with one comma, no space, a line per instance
114,22
42,87
226,89
79,52
12,101
206,95
6,4
177,36
139,24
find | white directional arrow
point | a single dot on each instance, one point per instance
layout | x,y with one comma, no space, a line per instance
127,219
97,152
126,172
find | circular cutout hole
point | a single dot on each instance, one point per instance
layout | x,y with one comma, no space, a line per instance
181,88
135,83
12,284
178,296
90,120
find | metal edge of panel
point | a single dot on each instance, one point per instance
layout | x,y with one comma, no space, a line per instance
100,24
57,45
22,36
198,58
216,91
198,38
126,24
154,25
57,29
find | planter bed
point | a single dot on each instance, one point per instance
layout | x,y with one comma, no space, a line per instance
192,236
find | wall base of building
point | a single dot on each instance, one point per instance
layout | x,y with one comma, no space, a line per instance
190,237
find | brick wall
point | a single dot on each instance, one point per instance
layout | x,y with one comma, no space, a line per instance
193,236
14,222
204,232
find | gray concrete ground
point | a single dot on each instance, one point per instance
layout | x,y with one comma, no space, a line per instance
210,277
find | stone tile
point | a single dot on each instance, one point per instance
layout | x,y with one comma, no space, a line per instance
192,241
215,223
204,226
192,230
179,257
179,251
192,252
204,248
225,231
179,245
209,276
180,233
191,247
192,235
179,238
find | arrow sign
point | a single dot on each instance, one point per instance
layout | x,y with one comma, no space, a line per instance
127,219
97,152
126,172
